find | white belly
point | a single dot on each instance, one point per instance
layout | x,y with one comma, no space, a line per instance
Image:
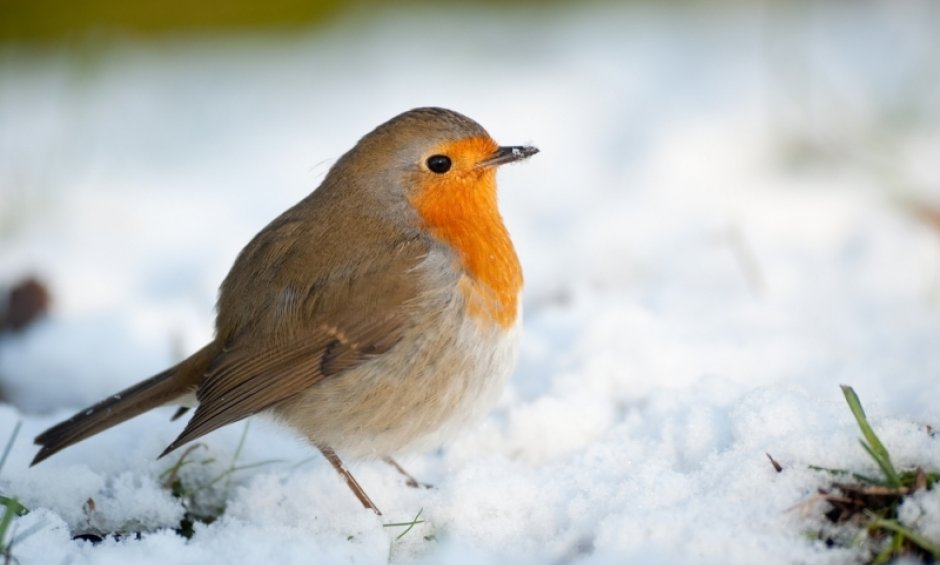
414,396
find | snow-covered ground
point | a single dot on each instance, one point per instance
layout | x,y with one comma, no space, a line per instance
715,235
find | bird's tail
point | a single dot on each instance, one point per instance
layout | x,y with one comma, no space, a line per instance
158,390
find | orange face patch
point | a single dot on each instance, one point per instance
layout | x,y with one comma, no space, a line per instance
459,208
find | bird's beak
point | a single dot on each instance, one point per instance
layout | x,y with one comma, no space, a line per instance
504,155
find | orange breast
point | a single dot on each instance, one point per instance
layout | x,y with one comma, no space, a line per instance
460,209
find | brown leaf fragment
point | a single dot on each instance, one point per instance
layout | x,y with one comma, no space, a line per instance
920,480
777,466
26,301
872,490
928,213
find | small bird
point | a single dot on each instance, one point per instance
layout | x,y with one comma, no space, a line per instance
378,315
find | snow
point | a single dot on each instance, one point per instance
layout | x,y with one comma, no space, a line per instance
715,235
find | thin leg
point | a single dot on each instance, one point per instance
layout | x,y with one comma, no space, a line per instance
350,480
410,481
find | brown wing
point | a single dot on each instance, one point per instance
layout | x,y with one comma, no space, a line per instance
337,324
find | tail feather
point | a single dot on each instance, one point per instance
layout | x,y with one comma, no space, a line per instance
160,389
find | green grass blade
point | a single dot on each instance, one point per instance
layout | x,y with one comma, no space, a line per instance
415,521
874,446
884,556
10,512
13,504
6,450
858,477
919,540
238,453
227,474
885,467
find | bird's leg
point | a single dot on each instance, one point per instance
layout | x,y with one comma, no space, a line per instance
350,480
410,481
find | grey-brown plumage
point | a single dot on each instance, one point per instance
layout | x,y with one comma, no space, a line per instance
351,317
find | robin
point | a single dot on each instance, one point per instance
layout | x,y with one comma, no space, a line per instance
377,315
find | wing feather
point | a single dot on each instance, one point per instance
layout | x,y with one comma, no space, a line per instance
345,322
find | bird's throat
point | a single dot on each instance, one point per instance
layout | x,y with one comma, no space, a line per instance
462,212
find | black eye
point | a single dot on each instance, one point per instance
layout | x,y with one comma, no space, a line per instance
439,163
